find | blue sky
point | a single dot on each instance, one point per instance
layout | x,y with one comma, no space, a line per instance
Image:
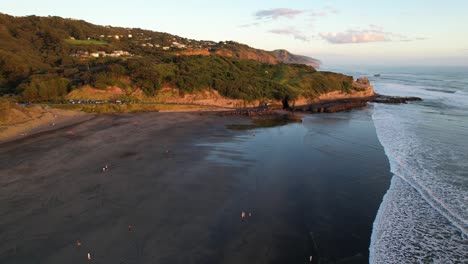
334,31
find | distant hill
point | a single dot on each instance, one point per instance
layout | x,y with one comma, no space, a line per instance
241,51
287,57
45,58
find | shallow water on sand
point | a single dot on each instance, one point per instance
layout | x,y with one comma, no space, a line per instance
315,185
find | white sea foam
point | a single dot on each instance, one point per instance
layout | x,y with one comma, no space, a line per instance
424,215
421,161
408,230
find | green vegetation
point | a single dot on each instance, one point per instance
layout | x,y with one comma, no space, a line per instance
86,42
246,79
128,108
40,61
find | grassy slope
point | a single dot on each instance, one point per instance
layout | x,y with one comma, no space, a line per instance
35,60
129,108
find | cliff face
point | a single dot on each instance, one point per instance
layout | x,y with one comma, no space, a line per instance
207,97
194,52
364,92
213,98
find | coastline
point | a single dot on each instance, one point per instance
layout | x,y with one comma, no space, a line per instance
40,118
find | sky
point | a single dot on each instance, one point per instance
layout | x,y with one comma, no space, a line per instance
338,32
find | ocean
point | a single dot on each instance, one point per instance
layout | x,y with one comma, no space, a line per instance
423,217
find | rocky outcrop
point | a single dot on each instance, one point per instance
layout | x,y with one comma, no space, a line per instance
348,104
338,101
363,81
334,106
360,92
385,99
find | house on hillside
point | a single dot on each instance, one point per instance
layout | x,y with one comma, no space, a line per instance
81,54
119,53
98,54
178,45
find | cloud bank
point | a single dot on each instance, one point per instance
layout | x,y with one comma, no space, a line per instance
354,36
375,34
278,13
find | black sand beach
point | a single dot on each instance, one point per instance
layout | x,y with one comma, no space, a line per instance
181,180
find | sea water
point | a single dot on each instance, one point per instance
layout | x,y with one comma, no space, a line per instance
423,217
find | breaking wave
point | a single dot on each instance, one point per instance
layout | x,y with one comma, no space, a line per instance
424,215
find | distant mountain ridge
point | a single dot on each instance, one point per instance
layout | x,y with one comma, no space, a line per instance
241,51
287,57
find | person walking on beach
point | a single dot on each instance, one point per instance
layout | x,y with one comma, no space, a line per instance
243,216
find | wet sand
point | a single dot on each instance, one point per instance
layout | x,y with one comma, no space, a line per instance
37,119
181,181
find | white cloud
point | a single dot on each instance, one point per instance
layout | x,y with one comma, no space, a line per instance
374,34
353,36
277,13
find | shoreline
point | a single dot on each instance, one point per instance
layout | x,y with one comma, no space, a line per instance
49,119
55,118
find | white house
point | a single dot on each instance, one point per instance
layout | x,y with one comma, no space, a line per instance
178,45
